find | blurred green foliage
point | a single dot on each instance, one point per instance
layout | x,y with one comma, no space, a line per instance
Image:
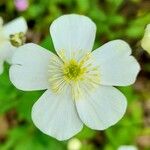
114,19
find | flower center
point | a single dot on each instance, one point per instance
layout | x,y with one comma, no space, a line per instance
81,75
73,70
17,39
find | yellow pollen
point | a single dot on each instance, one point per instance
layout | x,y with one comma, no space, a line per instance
73,70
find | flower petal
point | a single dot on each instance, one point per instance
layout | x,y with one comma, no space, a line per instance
15,26
56,115
30,67
72,34
101,108
7,51
116,66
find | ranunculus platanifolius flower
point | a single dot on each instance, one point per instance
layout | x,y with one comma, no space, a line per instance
78,81
8,33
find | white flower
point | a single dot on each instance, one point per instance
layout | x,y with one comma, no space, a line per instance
127,147
145,43
6,49
79,82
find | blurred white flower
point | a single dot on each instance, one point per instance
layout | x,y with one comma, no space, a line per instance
145,43
79,82
127,147
74,144
7,34
21,5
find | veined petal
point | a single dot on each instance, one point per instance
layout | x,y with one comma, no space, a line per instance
7,51
116,65
30,67
73,35
15,26
56,115
101,108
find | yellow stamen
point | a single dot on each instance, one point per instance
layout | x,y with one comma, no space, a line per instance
17,39
73,70
80,75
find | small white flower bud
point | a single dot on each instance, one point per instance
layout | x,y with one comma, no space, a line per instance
145,43
74,144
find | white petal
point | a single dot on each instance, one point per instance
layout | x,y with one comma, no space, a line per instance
116,65
102,108
1,66
15,26
30,67
56,115
73,34
7,51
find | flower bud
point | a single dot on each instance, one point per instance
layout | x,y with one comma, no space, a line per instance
74,144
145,43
